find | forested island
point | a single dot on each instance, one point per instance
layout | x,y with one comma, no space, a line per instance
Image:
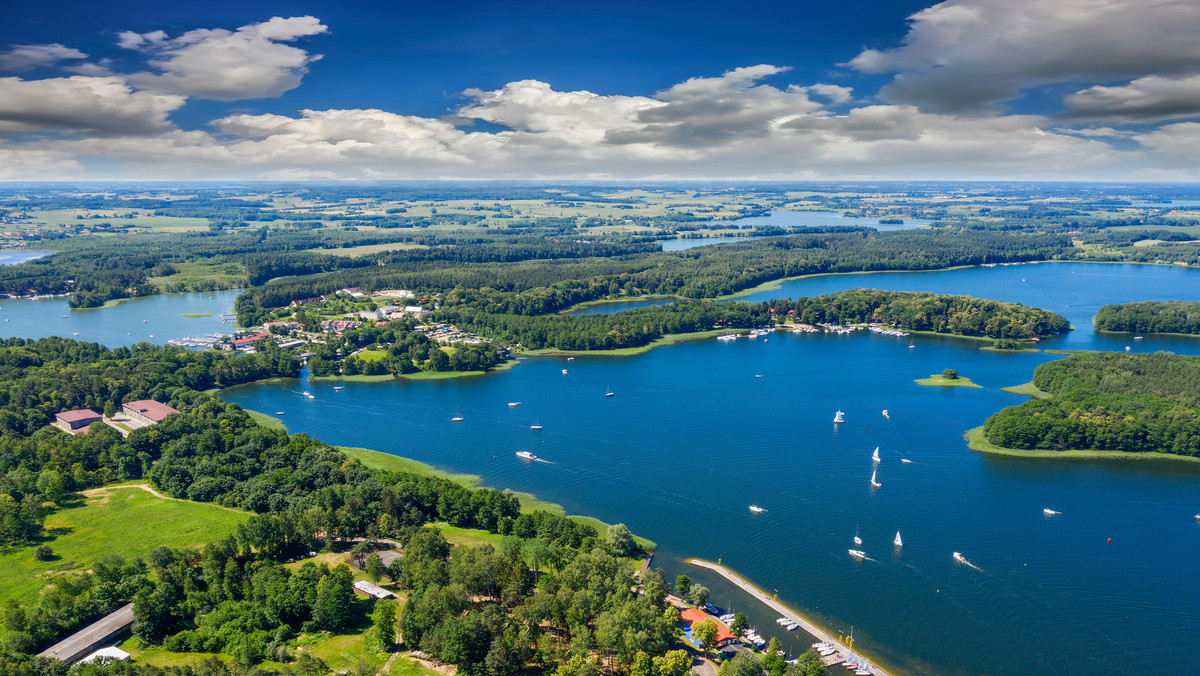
1171,316
1108,401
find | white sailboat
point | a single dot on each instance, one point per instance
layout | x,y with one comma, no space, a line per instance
839,417
608,391
857,540
513,404
898,542
875,483
457,417
885,413
875,456
536,426
1050,512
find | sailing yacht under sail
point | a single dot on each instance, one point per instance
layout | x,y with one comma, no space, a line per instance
898,542
875,456
839,417
875,483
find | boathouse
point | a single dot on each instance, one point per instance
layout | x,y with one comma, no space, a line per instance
147,411
76,421
91,638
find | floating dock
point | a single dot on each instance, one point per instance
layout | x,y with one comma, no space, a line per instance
783,610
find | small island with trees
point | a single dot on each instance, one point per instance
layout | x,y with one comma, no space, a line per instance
947,378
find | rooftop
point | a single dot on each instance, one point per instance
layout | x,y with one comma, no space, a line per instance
150,408
95,632
75,416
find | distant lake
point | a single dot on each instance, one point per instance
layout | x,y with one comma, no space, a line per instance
789,219
12,257
700,430
1176,204
155,319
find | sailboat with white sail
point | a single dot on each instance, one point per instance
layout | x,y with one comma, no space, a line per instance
898,542
875,483
875,456
857,540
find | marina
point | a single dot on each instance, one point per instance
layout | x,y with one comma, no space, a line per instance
788,614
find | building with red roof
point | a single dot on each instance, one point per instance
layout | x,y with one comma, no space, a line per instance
694,616
147,411
76,421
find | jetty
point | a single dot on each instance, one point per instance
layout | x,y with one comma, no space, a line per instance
783,610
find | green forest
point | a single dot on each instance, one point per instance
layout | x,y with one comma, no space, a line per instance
1108,401
1172,316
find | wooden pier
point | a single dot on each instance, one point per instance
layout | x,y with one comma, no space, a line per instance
783,610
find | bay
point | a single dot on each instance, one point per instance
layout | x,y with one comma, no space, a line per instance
698,431
14,256
155,319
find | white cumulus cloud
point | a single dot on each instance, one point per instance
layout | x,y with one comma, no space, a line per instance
1147,99
28,57
250,62
104,106
968,55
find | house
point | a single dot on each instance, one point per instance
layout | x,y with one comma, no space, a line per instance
92,637
694,616
249,340
147,411
372,591
396,293
287,325
353,292
76,421
416,311
302,301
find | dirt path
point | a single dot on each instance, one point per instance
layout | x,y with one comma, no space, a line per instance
92,492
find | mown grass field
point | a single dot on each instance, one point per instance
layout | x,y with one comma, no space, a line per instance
111,521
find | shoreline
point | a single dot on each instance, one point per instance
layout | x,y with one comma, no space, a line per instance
386,461
937,380
808,626
978,443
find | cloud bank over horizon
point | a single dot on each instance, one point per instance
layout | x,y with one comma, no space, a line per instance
1126,105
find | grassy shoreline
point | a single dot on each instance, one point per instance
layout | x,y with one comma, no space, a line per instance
669,339
938,380
977,442
1027,389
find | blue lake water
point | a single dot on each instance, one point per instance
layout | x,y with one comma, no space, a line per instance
791,219
698,431
12,257
154,319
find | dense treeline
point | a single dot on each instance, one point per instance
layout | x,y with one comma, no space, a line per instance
1108,401
960,315
921,311
1171,316
538,287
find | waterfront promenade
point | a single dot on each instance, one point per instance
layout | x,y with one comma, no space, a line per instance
783,610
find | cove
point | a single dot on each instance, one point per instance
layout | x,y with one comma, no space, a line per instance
698,431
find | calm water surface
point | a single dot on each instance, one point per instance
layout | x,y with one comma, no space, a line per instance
791,219
699,431
20,256
155,319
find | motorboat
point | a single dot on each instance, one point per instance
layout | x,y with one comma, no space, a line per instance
839,417
960,558
885,413
526,455
1050,512
905,460
570,358
339,387
756,509
564,372
858,553
307,394
514,403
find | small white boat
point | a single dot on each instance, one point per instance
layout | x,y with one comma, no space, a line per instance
898,542
826,652
526,455
863,669
839,417
857,540
339,387
1050,512
875,483
278,412
858,553
457,418
875,456
143,321
960,558
1137,337
1126,348
307,394
570,358
885,413
536,426
564,372
514,403
756,509
782,620
791,626
608,391
905,460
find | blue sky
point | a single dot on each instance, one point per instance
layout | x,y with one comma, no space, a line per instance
988,89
